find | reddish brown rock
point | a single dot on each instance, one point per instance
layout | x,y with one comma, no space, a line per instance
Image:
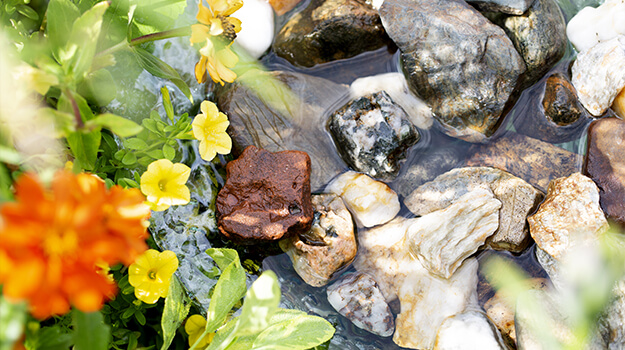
560,100
605,164
266,196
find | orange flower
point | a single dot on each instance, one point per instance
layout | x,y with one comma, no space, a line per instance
52,241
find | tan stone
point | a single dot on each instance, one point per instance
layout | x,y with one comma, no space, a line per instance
618,106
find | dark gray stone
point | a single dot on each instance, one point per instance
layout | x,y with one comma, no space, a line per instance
464,66
372,134
329,30
560,100
512,7
281,111
539,36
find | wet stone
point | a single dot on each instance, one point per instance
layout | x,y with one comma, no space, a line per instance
560,100
462,65
532,160
328,246
512,7
605,165
266,196
469,327
329,30
358,297
372,134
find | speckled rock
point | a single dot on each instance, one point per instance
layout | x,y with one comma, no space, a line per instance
539,35
599,74
284,111
560,100
518,200
357,297
591,26
532,160
605,165
266,196
469,330
570,213
328,246
512,7
372,134
442,239
462,65
329,30
371,202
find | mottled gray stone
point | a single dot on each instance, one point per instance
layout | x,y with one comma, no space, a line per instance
612,322
328,246
512,7
463,66
518,200
280,111
372,134
358,297
329,30
539,36
469,330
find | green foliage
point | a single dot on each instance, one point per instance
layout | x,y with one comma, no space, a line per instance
12,319
177,305
90,331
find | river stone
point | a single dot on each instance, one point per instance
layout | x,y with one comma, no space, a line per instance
605,165
257,33
469,330
591,26
329,30
358,297
518,200
534,161
280,111
611,324
570,213
512,7
371,202
283,6
442,239
539,36
266,196
395,85
599,74
526,321
461,64
328,246
372,134
618,105
560,100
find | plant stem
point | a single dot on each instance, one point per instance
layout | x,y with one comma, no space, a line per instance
77,116
184,31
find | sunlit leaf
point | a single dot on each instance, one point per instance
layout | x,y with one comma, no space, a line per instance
83,39
261,301
90,331
177,305
119,125
229,289
12,319
84,147
60,17
301,332
160,69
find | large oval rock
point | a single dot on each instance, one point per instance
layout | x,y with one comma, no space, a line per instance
464,66
469,330
513,7
329,245
329,30
280,111
605,165
591,26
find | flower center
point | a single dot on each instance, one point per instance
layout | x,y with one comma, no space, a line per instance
152,274
162,184
229,34
60,242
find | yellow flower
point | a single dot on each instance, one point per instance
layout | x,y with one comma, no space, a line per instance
210,128
195,328
217,63
150,274
215,21
35,79
164,184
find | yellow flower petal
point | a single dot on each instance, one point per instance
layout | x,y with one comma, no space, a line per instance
200,70
199,33
164,184
151,274
215,27
204,15
236,23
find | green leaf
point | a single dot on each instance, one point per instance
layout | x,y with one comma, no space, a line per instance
157,15
261,301
60,16
12,319
9,155
129,159
119,125
84,147
90,331
135,143
169,152
83,40
150,125
51,338
99,87
223,256
177,305
160,69
169,108
27,12
301,332
229,289
156,154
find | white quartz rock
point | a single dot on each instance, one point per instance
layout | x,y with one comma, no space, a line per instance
591,26
395,86
444,238
256,33
426,301
470,330
599,74
371,202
